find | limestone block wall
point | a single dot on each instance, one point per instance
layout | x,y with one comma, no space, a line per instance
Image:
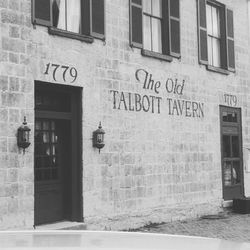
16,101
162,158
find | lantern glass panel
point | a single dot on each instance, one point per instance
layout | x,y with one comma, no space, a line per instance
20,136
99,138
26,136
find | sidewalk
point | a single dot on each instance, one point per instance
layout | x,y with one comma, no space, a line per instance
228,225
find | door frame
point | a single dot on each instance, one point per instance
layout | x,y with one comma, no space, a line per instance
75,116
221,109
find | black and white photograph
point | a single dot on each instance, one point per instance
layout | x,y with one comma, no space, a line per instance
125,124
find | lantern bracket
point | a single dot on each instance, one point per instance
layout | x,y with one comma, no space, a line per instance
98,137
23,134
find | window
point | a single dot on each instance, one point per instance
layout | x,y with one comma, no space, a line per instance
152,22
66,15
79,19
155,27
213,35
216,36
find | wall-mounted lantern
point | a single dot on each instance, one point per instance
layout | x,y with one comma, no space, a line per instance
23,135
98,138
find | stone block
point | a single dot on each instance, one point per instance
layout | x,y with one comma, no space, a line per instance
13,58
12,17
14,31
3,56
25,7
14,5
14,45
11,190
12,146
13,99
3,145
4,83
12,206
3,3
14,116
12,175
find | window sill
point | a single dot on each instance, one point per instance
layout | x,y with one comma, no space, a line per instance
72,35
156,55
218,70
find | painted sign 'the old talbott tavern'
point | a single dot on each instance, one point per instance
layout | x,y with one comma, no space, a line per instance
153,103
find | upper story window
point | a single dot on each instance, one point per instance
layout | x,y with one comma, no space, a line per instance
79,19
216,36
66,15
152,25
155,27
213,35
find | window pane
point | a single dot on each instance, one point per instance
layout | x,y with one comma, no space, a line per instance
146,33
235,146
46,125
136,2
210,50
156,35
226,146
38,175
216,22
38,137
227,173
73,15
59,14
216,52
236,178
147,6
209,19
47,149
46,161
229,116
38,162
157,8
39,149
53,137
38,125
45,137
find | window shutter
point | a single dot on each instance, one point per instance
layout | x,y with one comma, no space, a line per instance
98,18
135,15
230,41
223,35
174,28
41,12
85,17
202,31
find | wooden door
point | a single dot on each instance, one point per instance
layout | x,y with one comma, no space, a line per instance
57,166
52,161
231,150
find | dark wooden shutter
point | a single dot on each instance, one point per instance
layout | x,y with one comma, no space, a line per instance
223,35
85,17
135,15
42,12
202,31
230,40
174,28
98,18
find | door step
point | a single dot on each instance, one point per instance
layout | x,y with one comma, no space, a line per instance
242,206
62,225
227,204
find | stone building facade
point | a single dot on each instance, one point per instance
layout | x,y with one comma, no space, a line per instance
167,117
